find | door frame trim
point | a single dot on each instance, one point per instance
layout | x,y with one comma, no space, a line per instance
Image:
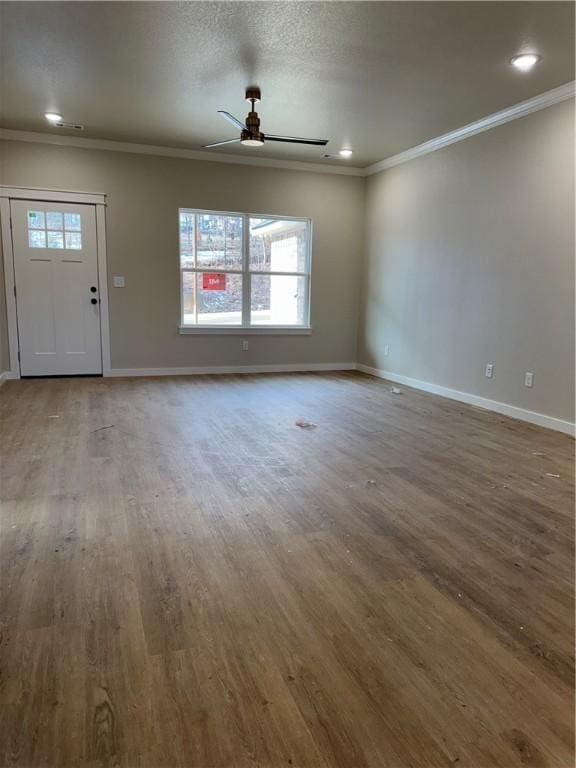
52,195
61,196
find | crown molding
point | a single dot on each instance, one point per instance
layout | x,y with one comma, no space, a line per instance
187,154
543,100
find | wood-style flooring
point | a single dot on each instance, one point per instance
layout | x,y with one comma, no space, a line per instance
189,579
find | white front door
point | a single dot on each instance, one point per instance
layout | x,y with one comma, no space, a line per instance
57,291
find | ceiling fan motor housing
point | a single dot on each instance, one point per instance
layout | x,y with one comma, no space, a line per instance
252,130
252,137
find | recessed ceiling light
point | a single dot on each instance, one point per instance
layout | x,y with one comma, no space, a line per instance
53,117
345,153
525,61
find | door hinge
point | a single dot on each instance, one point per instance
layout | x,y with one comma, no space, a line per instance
14,291
18,355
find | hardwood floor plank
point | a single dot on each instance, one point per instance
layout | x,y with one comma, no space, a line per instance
188,579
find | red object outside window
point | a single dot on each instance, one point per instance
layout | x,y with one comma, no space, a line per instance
214,281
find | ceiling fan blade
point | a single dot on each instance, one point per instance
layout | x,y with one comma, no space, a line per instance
296,140
232,119
220,143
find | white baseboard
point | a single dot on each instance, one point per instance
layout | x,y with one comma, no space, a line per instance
481,402
5,375
221,369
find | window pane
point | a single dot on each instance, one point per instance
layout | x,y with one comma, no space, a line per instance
72,221
55,240
35,220
73,240
188,298
187,239
54,220
278,300
219,298
278,245
36,238
219,241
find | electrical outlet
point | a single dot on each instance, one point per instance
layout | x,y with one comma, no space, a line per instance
528,379
118,281
489,372
245,346
386,350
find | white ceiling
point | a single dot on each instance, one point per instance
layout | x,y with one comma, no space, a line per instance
379,77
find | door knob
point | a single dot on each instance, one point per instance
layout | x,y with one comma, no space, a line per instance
93,301
93,289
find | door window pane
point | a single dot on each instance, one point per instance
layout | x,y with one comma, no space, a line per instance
219,297
278,300
278,245
72,221
36,219
73,240
36,238
54,220
55,240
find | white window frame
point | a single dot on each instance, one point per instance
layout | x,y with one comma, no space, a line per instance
246,272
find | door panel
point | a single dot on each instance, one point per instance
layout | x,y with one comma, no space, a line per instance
40,279
55,266
74,296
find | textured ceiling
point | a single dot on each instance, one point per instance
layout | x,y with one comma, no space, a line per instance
379,77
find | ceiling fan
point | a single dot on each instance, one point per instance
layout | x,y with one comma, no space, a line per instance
250,133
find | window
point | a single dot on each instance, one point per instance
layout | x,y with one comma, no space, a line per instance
242,271
53,229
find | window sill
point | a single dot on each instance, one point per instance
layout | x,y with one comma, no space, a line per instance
269,330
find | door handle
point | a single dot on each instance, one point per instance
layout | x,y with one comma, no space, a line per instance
93,301
93,289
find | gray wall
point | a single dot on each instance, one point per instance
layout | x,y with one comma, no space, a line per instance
144,194
470,259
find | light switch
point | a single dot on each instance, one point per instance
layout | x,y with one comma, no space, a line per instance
118,281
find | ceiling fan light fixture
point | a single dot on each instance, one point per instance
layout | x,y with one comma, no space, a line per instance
345,153
53,117
251,139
